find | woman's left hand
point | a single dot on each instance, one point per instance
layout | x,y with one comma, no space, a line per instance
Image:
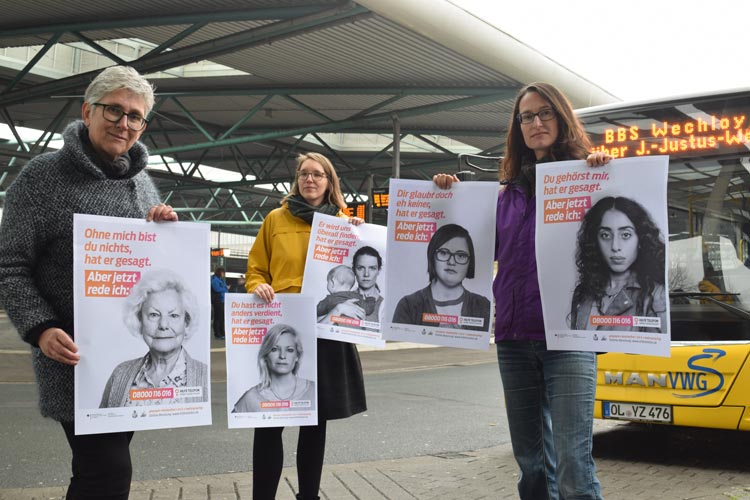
597,159
356,221
161,212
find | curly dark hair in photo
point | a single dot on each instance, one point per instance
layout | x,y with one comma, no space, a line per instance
593,270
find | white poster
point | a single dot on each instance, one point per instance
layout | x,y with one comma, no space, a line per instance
142,324
345,273
440,263
602,255
272,360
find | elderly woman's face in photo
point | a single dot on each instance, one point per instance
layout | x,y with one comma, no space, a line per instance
618,241
452,261
115,122
163,321
283,356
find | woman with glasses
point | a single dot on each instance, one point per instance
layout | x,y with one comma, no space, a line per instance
276,264
445,302
101,169
549,395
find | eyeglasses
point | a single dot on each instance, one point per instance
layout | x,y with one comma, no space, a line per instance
114,114
317,176
444,255
545,115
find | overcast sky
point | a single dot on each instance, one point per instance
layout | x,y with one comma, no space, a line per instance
640,49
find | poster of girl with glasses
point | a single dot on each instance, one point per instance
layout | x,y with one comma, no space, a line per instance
443,290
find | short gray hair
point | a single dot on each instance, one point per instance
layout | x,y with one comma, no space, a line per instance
120,77
155,281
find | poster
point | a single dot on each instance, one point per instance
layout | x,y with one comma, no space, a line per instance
344,272
440,263
142,323
602,250
272,361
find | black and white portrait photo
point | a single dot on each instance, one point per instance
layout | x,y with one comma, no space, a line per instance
162,313
446,301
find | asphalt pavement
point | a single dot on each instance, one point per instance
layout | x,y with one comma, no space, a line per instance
633,461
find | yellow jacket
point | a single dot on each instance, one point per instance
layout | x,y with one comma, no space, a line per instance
279,252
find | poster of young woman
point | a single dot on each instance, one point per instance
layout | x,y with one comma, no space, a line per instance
602,255
272,361
344,272
440,257
142,323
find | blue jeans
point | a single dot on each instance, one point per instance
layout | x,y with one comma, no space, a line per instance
549,398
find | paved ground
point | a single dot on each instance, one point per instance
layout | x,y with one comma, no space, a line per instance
483,474
634,462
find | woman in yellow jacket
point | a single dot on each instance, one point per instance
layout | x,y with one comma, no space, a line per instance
275,265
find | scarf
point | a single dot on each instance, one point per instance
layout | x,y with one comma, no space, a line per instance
112,169
300,208
526,178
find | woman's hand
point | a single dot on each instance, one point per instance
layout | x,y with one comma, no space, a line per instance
597,159
57,345
348,308
264,291
161,212
356,221
444,181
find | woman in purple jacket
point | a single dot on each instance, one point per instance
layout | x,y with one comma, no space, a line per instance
549,395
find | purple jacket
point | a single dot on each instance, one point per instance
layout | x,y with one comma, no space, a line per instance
518,305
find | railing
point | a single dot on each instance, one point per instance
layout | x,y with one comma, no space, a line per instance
468,160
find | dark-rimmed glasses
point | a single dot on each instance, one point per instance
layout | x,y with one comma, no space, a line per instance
545,115
317,176
444,255
114,114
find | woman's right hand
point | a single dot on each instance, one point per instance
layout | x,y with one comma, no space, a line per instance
444,181
264,291
57,345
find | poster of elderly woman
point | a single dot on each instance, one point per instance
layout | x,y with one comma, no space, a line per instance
142,325
271,361
612,223
440,264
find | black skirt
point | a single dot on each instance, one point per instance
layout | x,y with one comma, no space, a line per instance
341,386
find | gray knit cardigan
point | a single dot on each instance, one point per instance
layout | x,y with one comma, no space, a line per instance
116,391
36,246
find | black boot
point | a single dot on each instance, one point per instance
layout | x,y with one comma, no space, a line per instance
300,497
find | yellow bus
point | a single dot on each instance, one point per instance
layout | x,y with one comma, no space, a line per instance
706,381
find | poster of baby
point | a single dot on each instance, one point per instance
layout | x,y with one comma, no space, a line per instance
345,273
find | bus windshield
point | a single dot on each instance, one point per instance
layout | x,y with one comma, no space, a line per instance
708,141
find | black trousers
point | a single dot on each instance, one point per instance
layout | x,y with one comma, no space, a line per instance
268,460
101,465
218,319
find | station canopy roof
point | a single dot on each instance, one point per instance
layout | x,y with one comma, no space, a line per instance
243,86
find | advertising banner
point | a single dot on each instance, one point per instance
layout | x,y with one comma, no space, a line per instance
440,258
142,324
345,273
271,361
602,255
